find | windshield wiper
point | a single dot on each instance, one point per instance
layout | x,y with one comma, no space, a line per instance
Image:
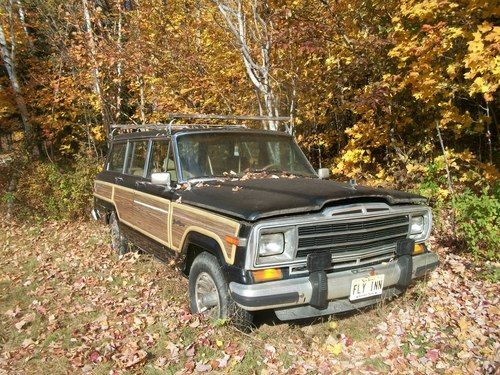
205,178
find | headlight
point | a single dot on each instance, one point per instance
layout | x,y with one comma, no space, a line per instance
417,225
276,245
271,244
420,226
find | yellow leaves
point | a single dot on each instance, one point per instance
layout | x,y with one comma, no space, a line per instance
98,133
483,61
412,168
479,86
455,32
420,10
333,325
451,70
335,349
334,346
485,27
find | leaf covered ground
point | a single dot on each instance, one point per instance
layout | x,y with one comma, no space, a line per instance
68,305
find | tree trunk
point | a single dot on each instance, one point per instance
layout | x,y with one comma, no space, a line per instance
22,18
119,71
142,100
8,57
257,68
95,69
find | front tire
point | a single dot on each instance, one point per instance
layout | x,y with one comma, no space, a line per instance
118,241
209,293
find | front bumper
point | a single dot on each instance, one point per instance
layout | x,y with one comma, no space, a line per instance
291,293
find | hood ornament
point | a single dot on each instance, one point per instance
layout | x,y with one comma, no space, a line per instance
353,182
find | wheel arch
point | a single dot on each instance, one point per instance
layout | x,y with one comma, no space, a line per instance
106,208
197,241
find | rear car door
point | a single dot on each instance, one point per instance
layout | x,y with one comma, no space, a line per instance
134,172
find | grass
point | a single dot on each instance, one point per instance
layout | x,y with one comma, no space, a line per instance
86,301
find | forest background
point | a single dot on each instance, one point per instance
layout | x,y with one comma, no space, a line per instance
402,94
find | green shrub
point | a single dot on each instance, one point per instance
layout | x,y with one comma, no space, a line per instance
50,191
478,222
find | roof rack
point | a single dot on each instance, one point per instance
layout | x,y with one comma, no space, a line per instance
226,117
197,116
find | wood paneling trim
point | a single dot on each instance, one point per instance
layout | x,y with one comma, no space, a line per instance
186,219
151,223
103,191
168,223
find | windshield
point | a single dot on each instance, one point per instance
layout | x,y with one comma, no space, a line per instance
219,154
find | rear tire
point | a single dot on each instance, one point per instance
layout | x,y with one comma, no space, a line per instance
209,293
118,241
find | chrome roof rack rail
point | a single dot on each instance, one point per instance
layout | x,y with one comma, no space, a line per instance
173,125
226,117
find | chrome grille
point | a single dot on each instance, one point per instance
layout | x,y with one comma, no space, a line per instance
354,241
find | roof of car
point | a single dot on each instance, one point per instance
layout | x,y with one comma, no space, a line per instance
177,130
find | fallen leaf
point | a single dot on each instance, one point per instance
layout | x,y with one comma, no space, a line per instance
335,349
201,367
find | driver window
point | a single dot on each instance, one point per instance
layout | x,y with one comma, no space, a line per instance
162,159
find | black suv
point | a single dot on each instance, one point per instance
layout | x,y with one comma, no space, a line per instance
254,226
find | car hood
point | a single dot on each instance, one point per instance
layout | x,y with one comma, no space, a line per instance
256,199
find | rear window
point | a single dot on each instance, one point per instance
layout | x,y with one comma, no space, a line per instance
137,156
117,157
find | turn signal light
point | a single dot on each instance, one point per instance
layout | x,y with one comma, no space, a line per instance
232,240
418,249
267,275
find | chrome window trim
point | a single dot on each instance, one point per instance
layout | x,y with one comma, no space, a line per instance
251,262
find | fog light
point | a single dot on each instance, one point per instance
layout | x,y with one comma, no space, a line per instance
268,274
418,249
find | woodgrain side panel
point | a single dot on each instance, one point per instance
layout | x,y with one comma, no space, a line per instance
147,199
186,219
103,191
124,202
152,216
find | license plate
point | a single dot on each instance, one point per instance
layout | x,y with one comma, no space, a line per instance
366,287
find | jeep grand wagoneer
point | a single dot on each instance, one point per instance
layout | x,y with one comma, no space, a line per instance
253,225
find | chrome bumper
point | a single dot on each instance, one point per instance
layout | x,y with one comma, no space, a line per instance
298,291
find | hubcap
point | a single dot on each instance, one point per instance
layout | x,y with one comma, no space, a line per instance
207,297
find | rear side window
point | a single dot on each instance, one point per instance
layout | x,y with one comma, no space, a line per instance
137,157
117,157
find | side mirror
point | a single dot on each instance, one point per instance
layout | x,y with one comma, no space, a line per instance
160,178
323,173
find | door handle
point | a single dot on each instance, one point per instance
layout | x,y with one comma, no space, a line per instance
118,180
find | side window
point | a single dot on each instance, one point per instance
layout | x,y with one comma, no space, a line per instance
117,157
137,158
162,158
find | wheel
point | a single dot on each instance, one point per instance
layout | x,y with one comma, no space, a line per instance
118,242
209,293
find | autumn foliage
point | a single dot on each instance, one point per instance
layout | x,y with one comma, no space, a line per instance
372,84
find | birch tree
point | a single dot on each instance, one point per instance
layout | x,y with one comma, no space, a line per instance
8,52
95,67
252,35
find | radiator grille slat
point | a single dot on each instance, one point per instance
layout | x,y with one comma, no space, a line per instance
356,239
